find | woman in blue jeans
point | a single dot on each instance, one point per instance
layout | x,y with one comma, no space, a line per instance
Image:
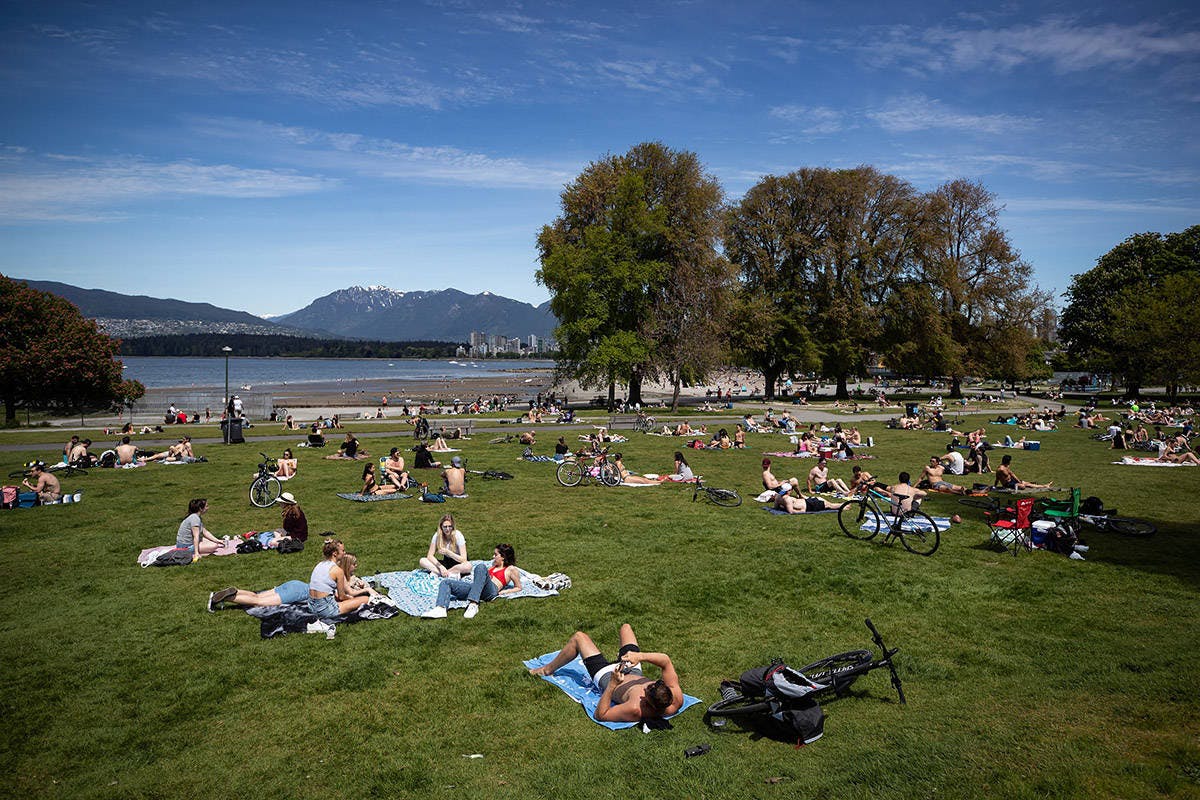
328,591
486,583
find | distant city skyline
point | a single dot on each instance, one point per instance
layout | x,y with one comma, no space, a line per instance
256,156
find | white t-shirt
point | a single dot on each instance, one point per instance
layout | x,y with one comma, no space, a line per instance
460,543
955,467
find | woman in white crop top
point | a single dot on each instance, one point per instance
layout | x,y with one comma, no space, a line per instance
328,592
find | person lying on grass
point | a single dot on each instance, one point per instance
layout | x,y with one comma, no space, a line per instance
348,449
287,593
931,478
1186,456
447,556
486,583
626,695
796,503
629,477
819,480
1007,479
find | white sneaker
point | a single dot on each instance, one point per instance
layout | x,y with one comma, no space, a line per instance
437,612
1077,557
472,610
318,627
1081,548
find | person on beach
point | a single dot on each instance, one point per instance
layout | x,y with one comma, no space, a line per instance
626,695
192,534
769,481
46,484
328,590
1007,479
447,556
486,583
454,478
629,477
371,486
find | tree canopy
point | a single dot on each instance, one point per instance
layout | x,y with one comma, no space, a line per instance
51,356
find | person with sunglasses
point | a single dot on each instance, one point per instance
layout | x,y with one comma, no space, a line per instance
447,556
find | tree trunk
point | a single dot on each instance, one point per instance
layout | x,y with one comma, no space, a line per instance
10,411
612,395
675,384
956,387
635,387
842,392
769,378
1132,389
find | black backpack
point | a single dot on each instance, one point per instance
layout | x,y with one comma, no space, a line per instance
250,545
1092,506
290,545
793,715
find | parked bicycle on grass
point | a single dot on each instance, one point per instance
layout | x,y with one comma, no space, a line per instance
863,518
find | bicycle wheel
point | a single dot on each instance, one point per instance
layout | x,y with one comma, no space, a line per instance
19,473
918,533
570,473
1131,527
609,474
264,492
838,671
737,706
853,515
71,472
986,503
724,497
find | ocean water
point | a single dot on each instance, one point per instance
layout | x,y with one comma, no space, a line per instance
209,373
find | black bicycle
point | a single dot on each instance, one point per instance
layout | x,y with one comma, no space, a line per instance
834,676
58,468
574,471
864,519
265,488
722,497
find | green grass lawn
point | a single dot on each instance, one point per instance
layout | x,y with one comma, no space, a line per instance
1034,676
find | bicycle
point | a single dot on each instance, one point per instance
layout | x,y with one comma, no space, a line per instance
643,424
863,519
729,498
265,488
573,472
1105,521
58,468
834,676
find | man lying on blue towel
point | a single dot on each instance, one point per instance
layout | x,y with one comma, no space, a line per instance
626,694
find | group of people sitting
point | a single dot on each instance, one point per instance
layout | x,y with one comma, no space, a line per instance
392,476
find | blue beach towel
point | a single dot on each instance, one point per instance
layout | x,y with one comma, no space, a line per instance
573,679
415,591
372,498
942,523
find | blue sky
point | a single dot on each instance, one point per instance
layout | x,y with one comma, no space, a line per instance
258,155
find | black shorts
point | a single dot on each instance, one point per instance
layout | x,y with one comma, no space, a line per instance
447,562
595,663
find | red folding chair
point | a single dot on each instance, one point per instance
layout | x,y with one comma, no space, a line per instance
1012,528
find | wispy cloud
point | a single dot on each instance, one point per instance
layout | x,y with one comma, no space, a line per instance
813,120
918,112
935,167
659,76
77,189
1064,43
355,153
1040,205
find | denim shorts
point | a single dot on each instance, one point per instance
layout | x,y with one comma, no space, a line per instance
323,607
292,592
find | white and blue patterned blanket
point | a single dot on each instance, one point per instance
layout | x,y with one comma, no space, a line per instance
416,590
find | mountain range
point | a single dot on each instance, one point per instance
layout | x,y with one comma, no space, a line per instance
357,312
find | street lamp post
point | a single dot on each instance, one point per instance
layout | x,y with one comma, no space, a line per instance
228,419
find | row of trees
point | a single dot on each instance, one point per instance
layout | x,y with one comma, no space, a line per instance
1134,316
266,345
652,274
53,357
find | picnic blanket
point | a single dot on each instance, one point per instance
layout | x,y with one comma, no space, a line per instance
574,680
415,591
1134,461
373,498
150,554
787,454
625,485
295,617
826,510
941,523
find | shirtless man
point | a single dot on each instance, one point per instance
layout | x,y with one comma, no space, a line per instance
798,504
933,473
47,486
529,437
394,469
769,480
819,480
79,454
1185,456
126,452
860,479
1007,479
69,448
905,492
626,695
454,477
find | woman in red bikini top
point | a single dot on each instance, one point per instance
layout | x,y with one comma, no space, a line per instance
487,583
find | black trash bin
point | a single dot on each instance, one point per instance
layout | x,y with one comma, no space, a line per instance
231,431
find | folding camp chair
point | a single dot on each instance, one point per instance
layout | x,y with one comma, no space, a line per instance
1060,509
1012,528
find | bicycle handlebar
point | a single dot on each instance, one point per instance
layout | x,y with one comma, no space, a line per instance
887,656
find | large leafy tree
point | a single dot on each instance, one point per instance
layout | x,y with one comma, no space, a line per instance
981,286
51,356
1101,302
635,237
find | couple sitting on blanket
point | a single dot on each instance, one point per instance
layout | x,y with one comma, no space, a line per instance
487,583
626,695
